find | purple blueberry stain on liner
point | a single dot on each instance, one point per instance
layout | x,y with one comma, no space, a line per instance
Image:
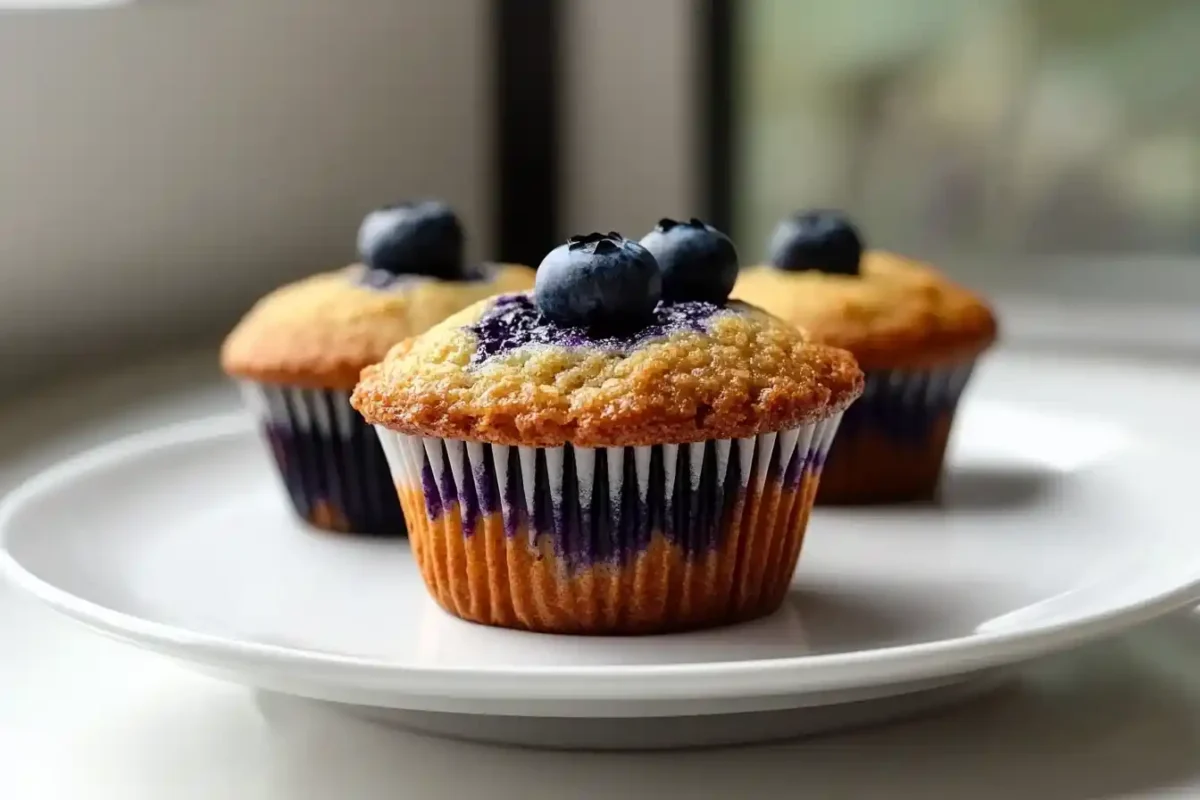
429,488
486,491
794,473
342,474
511,492
691,514
514,321
468,497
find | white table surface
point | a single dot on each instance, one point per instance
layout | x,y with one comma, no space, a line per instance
83,717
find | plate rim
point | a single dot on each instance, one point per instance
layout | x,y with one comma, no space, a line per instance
752,677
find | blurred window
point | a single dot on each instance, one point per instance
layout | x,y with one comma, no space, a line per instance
1047,127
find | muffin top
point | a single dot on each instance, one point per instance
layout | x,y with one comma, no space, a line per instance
321,331
888,310
606,353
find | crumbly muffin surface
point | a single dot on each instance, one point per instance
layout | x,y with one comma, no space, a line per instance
321,331
499,372
897,313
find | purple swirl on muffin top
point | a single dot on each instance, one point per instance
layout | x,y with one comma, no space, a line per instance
514,321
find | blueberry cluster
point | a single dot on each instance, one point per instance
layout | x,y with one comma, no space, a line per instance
605,282
823,240
415,238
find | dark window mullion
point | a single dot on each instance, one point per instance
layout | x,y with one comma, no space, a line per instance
528,145
715,78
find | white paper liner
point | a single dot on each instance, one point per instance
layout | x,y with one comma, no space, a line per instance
903,404
893,438
483,515
330,460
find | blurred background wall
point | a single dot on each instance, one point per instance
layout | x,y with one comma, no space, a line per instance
630,122
162,164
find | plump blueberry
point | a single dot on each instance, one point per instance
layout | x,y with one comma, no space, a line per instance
822,240
601,281
698,262
417,238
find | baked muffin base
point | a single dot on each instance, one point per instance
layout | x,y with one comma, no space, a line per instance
893,440
331,463
623,540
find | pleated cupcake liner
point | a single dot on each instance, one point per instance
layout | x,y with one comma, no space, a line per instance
330,460
893,439
620,540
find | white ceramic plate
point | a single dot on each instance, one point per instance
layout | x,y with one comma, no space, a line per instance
1054,530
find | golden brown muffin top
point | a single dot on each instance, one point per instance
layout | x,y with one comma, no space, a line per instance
898,313
321,331
502,373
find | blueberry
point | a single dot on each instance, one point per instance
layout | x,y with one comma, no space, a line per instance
416,238
601,281
822,240
698,261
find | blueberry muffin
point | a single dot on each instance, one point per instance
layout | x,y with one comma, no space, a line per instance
297,355
619,451
914,332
